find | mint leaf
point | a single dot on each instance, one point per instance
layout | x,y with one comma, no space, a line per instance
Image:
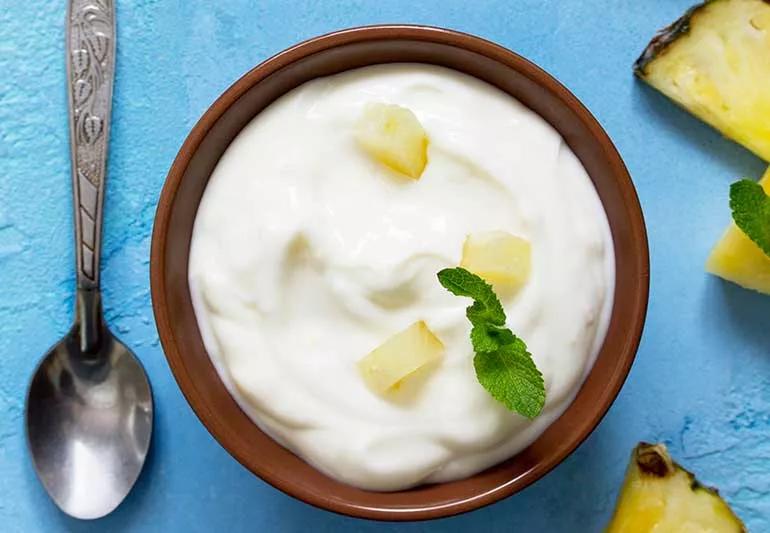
487,337
751,212
509,374
503,365
486,307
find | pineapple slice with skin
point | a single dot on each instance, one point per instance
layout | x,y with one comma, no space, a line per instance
738,259
715,62
400,356
392,135
502,259
659,496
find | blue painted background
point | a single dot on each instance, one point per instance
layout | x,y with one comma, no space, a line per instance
701,382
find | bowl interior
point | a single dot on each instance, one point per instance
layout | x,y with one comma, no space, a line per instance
331,54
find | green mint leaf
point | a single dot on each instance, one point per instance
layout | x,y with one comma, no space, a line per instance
486,307
509,374
751,212
503,365
488,338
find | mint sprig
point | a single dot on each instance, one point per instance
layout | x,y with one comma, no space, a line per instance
503,365
751,212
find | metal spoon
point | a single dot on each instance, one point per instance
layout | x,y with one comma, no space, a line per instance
89,405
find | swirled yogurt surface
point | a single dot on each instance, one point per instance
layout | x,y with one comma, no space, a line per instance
307,254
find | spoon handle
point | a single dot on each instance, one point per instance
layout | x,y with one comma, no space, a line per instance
90,76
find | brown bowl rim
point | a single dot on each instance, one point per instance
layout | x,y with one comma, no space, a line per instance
194,396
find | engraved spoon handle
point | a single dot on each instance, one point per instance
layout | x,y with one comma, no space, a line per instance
90,76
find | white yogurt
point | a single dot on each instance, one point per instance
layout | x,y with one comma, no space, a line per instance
307,254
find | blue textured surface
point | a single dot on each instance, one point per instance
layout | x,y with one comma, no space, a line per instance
701,382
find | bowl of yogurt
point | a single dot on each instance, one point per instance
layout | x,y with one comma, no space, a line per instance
294,271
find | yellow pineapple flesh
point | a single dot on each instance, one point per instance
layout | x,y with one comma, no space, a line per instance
659,496
738,259
502,259
715,62
400,356
392,135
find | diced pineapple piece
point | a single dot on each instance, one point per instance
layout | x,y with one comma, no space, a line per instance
715,62
392,135
659,496
502,259
738,259
400,356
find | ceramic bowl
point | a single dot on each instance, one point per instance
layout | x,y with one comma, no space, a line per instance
335,53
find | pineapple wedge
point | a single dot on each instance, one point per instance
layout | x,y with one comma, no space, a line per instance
659,496
715,62
736,258
392,135
400,356
502,259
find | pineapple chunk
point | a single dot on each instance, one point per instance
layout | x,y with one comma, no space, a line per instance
736,258
502,259
659,496
715,62
392,135
401,355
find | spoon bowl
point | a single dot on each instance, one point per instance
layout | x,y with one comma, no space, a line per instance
89,422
